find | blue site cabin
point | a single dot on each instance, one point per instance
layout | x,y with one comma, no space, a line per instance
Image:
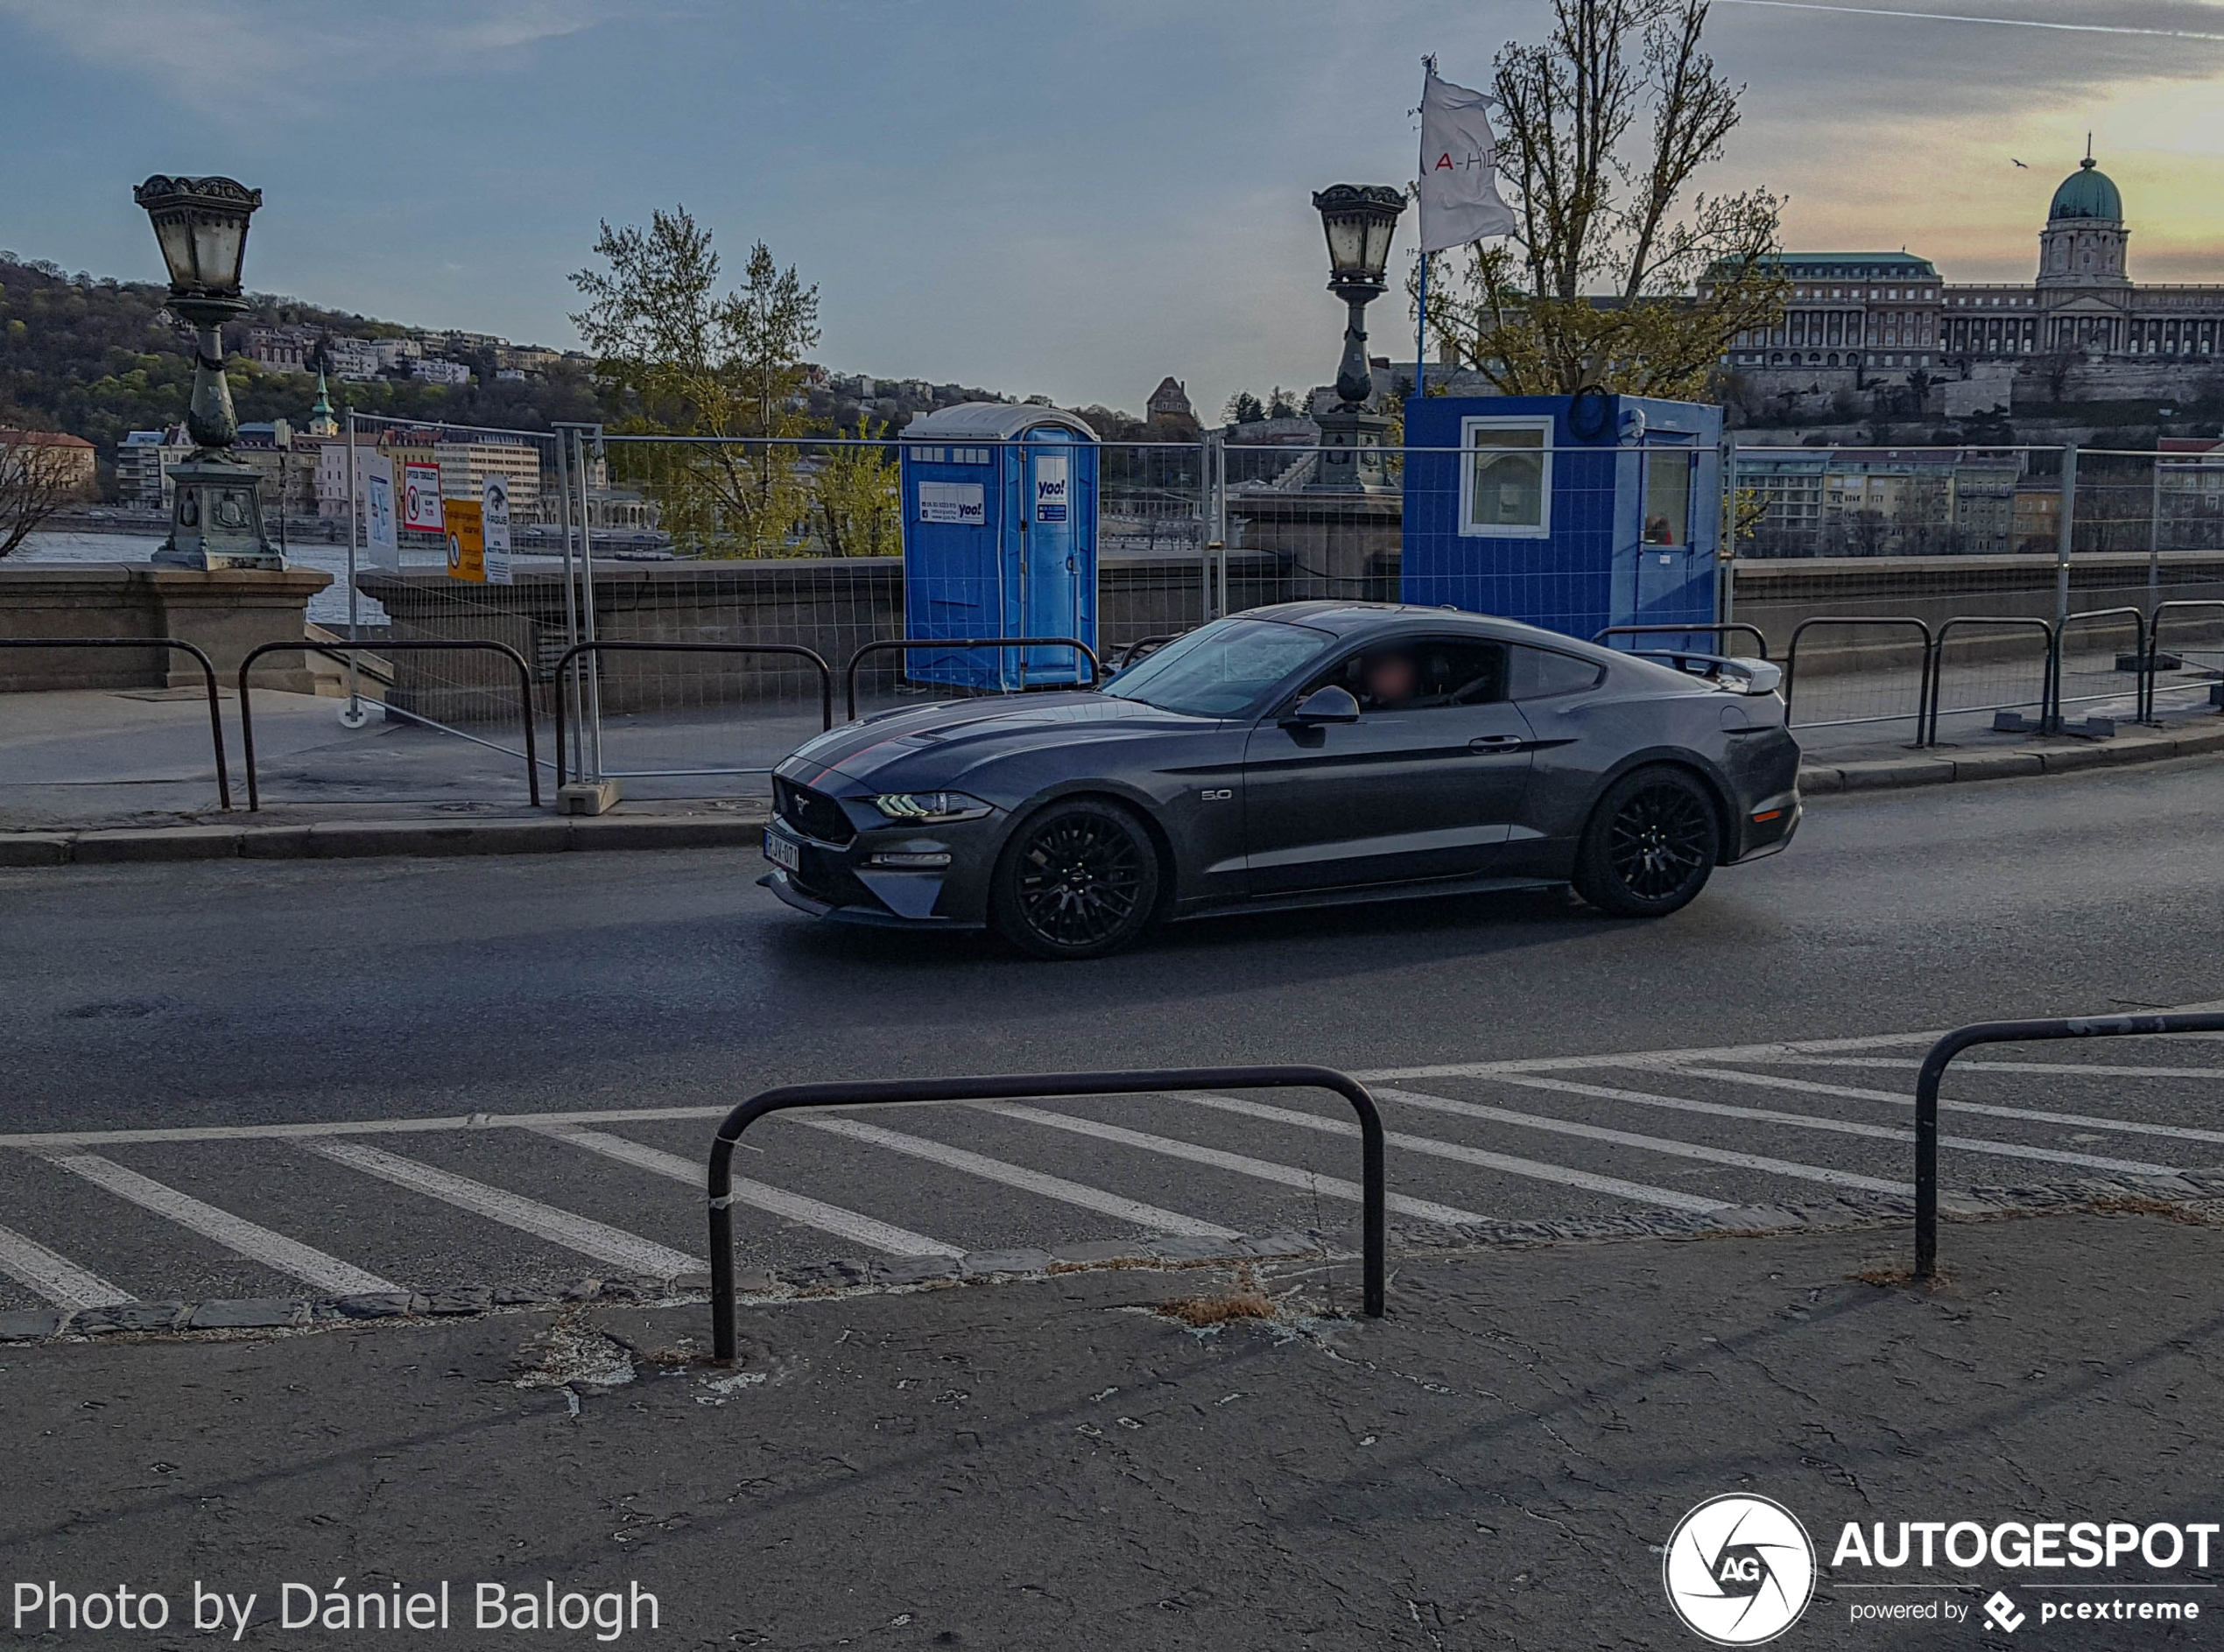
999,540
1570,512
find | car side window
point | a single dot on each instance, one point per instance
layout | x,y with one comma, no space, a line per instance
1421,673
1539,672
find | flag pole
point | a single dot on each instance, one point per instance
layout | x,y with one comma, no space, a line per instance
1421,309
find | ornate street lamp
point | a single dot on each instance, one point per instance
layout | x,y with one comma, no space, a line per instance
1359,220
200,223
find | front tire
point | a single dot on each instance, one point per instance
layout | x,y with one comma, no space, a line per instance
1077,880
1651,845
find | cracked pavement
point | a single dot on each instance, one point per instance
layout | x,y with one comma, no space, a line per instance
1030,1464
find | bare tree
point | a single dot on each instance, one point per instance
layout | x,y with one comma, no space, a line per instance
1600,283
38,475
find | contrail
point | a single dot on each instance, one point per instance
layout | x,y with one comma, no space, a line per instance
1948,16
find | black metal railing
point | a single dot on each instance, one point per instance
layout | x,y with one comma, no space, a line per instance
1929,735
913,644
340,653
1934,1066
2155,648
1923,679
207,671
1034,1085
2138,655
793,650
1715,631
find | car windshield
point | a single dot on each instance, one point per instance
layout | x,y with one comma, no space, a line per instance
1220,668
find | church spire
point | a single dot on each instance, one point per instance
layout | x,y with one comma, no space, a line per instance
321,422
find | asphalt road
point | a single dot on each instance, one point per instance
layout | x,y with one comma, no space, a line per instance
204,997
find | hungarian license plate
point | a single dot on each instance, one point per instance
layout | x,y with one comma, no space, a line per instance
782,853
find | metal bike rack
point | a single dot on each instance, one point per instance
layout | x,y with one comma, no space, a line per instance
1934,1066
795,649
1928,734
2140,652
1923,679
1032,1085
340,652
910,644
207,671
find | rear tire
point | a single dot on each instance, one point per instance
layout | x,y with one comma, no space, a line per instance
1077,880
1651,844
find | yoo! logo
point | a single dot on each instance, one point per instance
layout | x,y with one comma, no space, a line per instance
1739,1570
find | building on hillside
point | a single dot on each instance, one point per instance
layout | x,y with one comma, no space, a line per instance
394,355
347,358
465,465
1169,404
2189,487
144,461
2038,515
1852,319
433,370
282,348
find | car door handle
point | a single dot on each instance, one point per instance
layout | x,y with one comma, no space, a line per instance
1496,742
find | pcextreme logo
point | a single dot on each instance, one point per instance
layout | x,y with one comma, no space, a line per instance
1739,1570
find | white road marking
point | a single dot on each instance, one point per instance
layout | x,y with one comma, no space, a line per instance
1610,1058
2182,1132
1649,1143
1642,1191
1287,1175
795,1207
1150,1217
55,1277
1837,1127
1912,1062
605,1244
235,1233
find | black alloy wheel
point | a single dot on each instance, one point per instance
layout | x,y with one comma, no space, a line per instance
1651,846
1079,880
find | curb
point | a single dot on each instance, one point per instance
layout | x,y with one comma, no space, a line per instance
2187,1195
354,840
1918,769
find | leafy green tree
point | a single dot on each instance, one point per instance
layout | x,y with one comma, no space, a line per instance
854,510
1605,124
693,361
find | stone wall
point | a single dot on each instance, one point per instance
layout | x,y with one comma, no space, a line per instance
224,613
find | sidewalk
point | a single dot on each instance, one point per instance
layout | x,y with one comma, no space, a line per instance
1058,1462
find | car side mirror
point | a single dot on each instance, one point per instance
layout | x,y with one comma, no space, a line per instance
1323,706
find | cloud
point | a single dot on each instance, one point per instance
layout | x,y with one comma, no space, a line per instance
247,62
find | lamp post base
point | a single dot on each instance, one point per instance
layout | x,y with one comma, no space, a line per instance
217,518
1352,460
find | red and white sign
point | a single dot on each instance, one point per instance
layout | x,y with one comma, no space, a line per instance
421,497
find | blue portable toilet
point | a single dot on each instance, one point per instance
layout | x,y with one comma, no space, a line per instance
1570,512
999,540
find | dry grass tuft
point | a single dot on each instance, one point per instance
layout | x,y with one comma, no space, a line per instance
1197,1312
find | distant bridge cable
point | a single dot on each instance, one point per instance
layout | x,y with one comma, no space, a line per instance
1949,16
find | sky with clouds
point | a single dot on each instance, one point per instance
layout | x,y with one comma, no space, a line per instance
1070,198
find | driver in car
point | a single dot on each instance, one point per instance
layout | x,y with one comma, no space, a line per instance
1387,680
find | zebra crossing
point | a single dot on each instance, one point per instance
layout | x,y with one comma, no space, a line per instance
104,1218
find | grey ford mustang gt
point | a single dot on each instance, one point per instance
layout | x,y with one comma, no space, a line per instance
1306,754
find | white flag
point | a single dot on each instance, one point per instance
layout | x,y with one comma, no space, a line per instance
1459,193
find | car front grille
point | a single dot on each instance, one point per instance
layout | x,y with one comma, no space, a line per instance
813,813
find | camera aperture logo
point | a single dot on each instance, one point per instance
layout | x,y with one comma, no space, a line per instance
1739,1570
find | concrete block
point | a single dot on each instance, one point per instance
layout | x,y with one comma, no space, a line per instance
358,838
1893,772
978,1263
247,1313
131,1316
36,848
158,843
669,832
1997,765
30,1324
586,797
275,843
913,1270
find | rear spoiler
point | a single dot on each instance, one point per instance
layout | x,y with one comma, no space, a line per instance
1731,674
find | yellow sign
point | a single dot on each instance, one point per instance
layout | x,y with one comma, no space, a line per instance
465,521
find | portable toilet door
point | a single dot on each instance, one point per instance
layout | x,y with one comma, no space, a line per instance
1056,573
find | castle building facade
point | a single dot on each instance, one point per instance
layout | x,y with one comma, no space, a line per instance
1854,319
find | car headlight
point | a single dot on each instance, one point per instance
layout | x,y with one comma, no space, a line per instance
930,806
